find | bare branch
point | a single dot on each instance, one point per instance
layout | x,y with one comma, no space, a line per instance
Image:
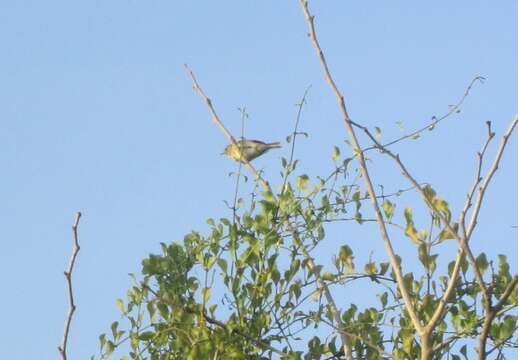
463,240
227,133
467,233
478,179
363,168
482,189
68,276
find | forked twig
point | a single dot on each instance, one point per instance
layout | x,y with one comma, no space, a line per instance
225,131
68,276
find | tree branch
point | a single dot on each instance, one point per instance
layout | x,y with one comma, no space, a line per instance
478,179
464,238
227,133
491,312
258,342
363,168
68,276
453,109
482,189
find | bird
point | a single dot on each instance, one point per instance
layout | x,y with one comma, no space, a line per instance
248,150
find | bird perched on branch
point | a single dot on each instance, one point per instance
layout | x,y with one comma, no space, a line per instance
248,149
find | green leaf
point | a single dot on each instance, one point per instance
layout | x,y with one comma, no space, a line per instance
370,268
205,294
316,295
383,268
110,348
102,341
113,327
345,256
411,231
408,215
320,233
388,209
276,276
447,234
146,336
302,183
222,263
120,306
482,263
422,251
336,154
508,327
503,266
384,299
295,288
328,276
412,234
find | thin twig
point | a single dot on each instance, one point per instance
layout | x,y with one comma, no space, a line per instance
364,171
68,277
289,166
453,109
482,189
244,115
478,179
227,133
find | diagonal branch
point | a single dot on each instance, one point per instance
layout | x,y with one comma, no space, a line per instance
364,171
68,276
227,133
464,238
266,187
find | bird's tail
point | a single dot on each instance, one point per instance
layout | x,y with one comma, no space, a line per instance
274,145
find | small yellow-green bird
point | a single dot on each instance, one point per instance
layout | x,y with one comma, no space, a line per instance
248,149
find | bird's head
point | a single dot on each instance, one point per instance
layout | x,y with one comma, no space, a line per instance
227,150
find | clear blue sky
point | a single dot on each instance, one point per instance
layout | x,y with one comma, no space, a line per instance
98,115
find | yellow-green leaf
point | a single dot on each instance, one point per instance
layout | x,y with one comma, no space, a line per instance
447,234
388,209
412,234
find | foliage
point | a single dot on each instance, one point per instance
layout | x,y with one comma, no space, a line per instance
246,290
251,288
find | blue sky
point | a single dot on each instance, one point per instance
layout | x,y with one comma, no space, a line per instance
97,115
